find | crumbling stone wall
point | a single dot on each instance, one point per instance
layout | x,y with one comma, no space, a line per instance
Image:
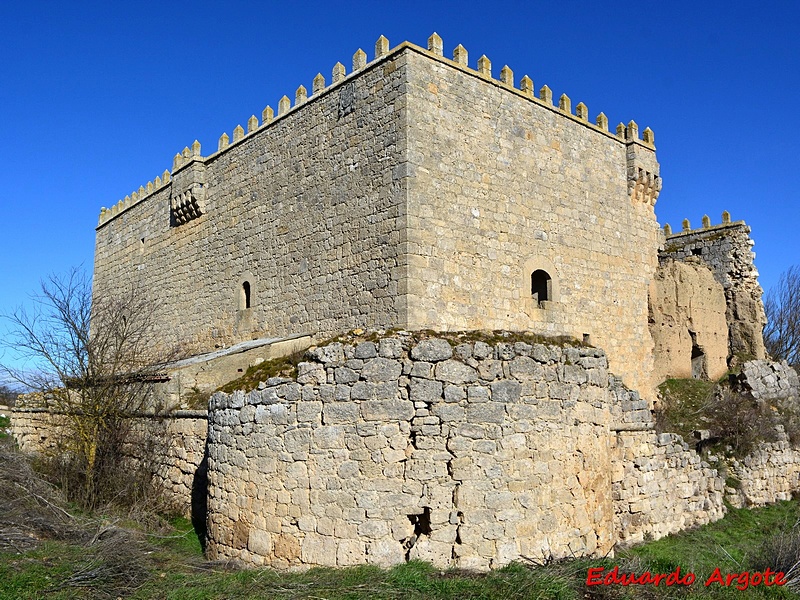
687,322
726,249
469,456
766,379
172,446
768,474
772,471
661,486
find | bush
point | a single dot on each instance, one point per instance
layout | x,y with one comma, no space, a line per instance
781,552
736,422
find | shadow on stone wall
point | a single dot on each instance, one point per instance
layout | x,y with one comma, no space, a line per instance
200,499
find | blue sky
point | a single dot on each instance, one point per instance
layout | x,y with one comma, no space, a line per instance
96,98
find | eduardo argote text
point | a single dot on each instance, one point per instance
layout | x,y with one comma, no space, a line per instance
741,580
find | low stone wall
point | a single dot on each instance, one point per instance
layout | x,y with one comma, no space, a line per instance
766,475
660,486
469,456
173,445
35,429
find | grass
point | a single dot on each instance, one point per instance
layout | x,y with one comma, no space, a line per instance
284,366
683,405
170,566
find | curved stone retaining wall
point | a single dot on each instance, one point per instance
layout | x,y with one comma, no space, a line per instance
469,456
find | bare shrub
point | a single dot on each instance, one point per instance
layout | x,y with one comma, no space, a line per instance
30,507
92,360
782,307
740,421
781,552
733,419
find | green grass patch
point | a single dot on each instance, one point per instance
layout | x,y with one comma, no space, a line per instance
683,405
5,424
284,366
175,570
38,572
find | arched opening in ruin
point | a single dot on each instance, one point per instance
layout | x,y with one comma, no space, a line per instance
541,286
244,296
699,370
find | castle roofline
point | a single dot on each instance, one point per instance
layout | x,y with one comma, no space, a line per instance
624,134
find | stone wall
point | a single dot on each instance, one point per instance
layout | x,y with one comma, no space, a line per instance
726,249
768,474
687,322
173,447
306,209
772,471
503,185
660,486
765,379
415,192
469,456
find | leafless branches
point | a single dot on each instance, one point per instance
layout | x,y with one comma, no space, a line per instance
782,305
91,360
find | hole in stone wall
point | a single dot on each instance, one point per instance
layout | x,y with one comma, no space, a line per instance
698,359
422,526
696,252
422,522
541,286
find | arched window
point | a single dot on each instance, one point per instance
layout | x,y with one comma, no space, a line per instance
244,296
541,286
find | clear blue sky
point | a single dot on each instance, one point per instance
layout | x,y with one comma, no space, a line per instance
96,98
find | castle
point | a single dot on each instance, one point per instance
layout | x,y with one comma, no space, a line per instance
413,192
418,193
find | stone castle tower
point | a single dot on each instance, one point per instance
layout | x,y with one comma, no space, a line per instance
413,192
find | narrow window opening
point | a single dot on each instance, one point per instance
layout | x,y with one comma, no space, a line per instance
696,251
244,296
541,286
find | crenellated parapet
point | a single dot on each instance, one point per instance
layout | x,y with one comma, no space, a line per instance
144,191
726,249
644,182
686,226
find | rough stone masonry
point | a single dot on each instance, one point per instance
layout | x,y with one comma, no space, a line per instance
413,192
469,456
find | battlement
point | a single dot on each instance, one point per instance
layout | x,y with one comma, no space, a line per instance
706,227
644,183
